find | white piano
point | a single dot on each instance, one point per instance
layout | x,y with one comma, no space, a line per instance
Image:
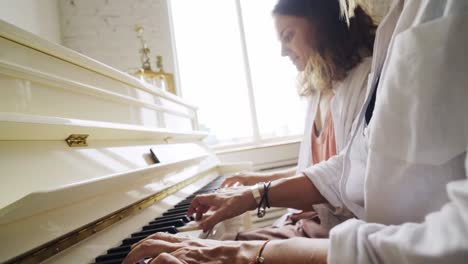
77,172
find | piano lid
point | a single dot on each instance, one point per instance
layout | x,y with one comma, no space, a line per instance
54,50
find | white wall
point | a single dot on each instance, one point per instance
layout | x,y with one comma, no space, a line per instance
104,30
38,17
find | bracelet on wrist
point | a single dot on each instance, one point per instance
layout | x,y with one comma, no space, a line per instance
259,259
255,189
264,202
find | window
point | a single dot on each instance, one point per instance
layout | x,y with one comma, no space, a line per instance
230,67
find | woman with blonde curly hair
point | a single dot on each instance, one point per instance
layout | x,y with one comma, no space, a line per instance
334,61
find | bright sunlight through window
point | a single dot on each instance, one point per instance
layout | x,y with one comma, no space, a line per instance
230,66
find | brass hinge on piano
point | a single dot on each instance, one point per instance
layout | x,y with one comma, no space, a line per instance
77,140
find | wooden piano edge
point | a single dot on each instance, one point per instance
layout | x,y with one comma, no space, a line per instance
59,244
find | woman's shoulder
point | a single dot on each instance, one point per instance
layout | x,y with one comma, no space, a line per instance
356,78
363,67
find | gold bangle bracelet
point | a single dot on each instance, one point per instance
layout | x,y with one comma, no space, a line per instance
259,259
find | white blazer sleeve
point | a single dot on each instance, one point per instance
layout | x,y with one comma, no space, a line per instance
326,177
441,238
442,235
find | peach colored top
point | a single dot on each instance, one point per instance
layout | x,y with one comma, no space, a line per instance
323,145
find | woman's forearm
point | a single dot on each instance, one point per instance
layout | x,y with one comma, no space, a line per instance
282,174
294,192
296,250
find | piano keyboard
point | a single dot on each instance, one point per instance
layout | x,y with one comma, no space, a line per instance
169,222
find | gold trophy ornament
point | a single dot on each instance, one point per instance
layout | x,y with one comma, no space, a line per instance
168,78
160,79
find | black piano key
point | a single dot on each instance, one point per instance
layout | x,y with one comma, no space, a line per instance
178,215
176,208
175,223
133,240
168,229
207,190
179,207
119,249
183,204
118,261
175,212
184,218
111,261
111,256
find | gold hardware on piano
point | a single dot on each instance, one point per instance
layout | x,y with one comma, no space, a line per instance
77,140
48,250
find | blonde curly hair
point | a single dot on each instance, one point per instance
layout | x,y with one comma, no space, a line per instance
318,75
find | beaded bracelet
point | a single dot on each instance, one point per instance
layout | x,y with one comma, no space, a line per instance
264,202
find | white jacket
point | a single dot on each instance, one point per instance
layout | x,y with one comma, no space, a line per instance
416,186
345,106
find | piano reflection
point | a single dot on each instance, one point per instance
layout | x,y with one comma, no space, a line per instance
91,159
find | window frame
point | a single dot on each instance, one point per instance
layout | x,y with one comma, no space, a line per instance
257,141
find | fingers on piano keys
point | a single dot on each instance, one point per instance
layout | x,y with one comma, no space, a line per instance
169,222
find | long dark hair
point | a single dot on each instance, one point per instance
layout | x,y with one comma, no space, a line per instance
339,47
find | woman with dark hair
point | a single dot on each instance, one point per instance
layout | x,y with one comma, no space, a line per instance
333,60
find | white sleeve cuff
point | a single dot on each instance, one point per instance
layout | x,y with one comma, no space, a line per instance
349,242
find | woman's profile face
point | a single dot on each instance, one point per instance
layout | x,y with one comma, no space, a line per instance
296,36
